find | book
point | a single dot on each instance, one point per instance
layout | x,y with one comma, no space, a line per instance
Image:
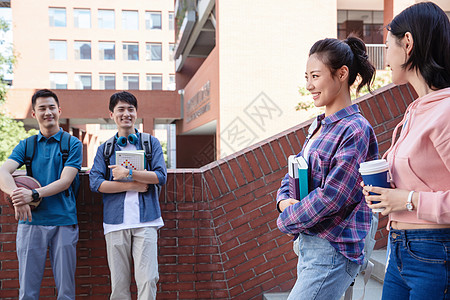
134,159
298,177
302,170
293,178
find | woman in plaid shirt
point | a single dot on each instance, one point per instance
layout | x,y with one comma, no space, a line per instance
332,221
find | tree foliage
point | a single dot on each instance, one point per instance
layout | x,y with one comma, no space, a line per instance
11,131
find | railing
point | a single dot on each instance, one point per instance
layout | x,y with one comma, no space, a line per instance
376,54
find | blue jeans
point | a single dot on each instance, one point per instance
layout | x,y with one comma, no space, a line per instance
322,272
32,242
418,265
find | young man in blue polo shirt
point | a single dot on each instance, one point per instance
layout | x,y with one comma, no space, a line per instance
53,224
131,212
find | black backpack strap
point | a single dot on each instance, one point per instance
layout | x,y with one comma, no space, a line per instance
107,152
146,143
64,147
30,147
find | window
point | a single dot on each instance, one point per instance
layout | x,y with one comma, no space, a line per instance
57,17
152,20
58,50
82,18
171,86
107,81
131,81
106,19
171,49
154,82
153,51
82,50
171,21
130,51
130,20
107,50
58,80
83,81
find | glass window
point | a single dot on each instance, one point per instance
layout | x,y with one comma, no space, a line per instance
171,21
154,82
106,19
130,20
58,80
107,81
82,50
57,17
171,49
82,18
152,20
153,51
58,50
107,50
131,81
171,86
130,51
83,81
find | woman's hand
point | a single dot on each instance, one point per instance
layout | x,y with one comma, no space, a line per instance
390,199
285,203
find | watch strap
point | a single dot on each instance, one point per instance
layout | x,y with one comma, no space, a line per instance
409,204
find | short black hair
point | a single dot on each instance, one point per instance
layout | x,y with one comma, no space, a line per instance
351,52
122,96
44,93
430,30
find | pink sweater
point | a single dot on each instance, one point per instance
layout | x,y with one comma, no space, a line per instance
420,159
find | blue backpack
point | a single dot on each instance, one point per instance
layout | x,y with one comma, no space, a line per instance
64,146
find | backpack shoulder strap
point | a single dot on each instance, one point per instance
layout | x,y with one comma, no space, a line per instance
107,152
30,147
146,143
64,146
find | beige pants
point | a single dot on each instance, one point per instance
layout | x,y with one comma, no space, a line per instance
141,244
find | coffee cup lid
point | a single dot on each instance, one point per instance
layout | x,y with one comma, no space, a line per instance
373,166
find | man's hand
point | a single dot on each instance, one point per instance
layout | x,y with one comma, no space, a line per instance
22,212
286,202
139,187
119,172
21,196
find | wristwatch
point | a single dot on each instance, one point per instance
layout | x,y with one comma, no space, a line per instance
35,195
130,174
409,204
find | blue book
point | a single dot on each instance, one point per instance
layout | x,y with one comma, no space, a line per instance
302,170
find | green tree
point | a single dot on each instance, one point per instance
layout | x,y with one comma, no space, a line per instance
11,131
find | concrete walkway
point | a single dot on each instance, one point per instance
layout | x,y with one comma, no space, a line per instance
373,288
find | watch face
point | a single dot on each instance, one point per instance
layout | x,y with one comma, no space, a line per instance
409,206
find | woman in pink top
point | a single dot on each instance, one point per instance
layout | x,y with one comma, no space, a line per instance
418,53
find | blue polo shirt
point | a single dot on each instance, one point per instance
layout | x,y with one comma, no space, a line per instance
47,165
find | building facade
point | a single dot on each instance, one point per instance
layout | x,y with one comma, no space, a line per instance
241,64
95,48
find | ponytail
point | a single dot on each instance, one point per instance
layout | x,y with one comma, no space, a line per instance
361,63
352,53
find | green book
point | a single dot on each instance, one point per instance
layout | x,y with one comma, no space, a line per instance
302,167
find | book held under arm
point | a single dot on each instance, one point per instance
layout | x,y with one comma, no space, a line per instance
134,159
293,178
302,169
298,177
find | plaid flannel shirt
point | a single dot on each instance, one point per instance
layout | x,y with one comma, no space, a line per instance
334,209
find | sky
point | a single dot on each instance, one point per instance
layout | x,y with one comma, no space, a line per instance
6,38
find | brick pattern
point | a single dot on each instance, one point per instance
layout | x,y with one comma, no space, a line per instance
220,239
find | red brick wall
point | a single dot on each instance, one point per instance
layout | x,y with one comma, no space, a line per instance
220,239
